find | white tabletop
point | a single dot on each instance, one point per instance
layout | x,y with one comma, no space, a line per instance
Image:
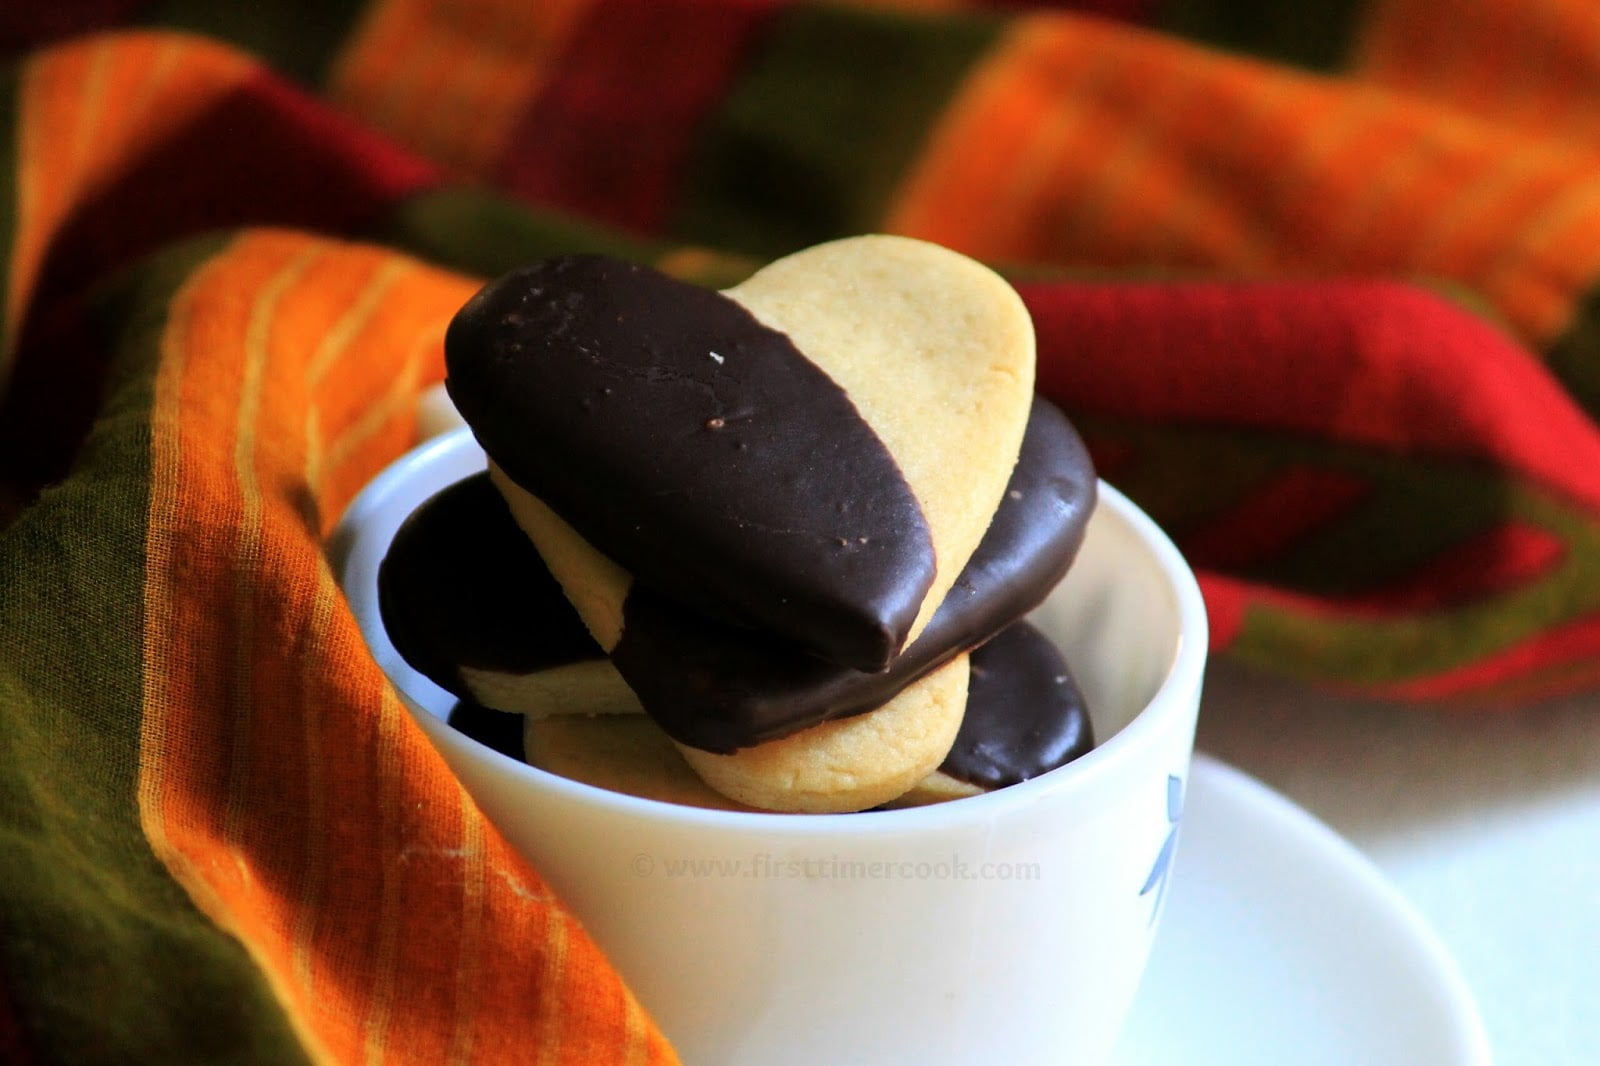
1487,821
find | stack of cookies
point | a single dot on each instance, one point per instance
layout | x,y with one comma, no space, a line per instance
795,523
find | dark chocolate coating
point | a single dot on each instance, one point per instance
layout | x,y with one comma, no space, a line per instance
697,448
461,585
500,730
1025,715
714,687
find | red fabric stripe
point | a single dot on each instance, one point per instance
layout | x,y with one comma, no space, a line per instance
28,24
1374,363
1498,560
616,149
1111,457
11,1045
1226,600
267,154
1555,655
1273,517
16,1048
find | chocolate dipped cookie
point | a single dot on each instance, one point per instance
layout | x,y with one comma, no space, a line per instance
814,453
712,685
847,764
721,688
759,501
461,567
496,606
469,603
621,753
472,608
1023,717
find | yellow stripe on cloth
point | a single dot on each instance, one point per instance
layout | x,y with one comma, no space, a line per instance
166,814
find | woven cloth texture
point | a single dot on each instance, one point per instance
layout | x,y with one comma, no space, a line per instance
1316,281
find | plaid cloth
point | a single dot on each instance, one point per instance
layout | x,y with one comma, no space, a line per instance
1317,281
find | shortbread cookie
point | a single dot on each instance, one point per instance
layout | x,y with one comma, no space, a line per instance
718,688
460,583
849,764
1024,717
721,688
935,350
468,603
815,454
630,753
623,753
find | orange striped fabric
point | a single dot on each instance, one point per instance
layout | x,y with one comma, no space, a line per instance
280,785
449,79
1092,143
270,740
1529,64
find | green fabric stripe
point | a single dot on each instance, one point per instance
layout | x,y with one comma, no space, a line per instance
1418,506
297,38
10,125
479,232
92,920
1575,357
1413,509
1375,651
1180,479
815,136
474,231
1318,36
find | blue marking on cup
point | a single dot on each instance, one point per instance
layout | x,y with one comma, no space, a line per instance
1157,881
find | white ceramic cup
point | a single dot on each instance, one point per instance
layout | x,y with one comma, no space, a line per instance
1008,928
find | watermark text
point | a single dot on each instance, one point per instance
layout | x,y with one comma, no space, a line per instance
763,865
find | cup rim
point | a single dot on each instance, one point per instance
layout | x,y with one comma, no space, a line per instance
1177,692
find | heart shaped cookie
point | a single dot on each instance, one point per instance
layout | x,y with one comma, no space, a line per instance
462,585
849,764
718,688
814,454
818,771
935,350
811,457
721,688
620,753
1024,716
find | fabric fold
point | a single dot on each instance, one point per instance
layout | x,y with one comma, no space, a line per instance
1318,290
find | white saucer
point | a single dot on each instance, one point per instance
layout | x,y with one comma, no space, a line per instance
1283,944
